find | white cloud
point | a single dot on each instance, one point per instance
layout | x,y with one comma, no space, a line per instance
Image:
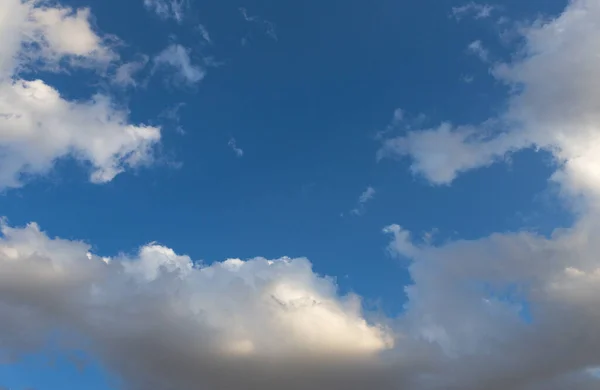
177,58
159,318
511,311
168,9
41,35
478,11
37,125
233,145
516,310
552,106
365,197
477,48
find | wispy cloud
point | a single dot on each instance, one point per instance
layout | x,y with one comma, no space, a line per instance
168,9
172,115
397,119
363,199
177,58
468,78
477,48
476,10
233,145
125,74
267,26
204,33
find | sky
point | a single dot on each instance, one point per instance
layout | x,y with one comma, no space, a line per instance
318,195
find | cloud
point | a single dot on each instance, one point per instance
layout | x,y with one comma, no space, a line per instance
159,319
31,35
204,33
468,78
267,26
365,197
168,9
172,116
37,125
478,11
397,119
516,310
552,106
125,74
509,311
233,145
177,58
477,48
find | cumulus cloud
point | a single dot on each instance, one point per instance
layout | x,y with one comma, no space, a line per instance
31,33
168,9
552,106
159,319
516,310
37,125
177,58
510,311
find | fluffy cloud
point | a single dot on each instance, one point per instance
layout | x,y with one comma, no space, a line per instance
510,311
33,33
553,106
159,319
37,125
517,310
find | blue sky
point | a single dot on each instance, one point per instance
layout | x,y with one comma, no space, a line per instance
301,130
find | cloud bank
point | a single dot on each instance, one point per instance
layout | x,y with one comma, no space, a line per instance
160,320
